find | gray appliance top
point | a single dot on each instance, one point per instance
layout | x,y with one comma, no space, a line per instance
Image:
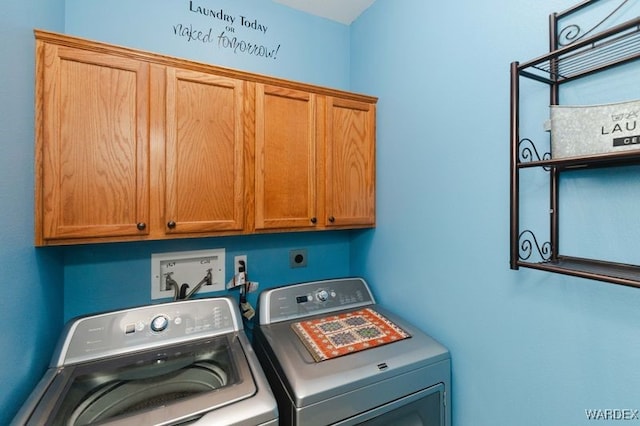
310,382
132,353
121,332
312,298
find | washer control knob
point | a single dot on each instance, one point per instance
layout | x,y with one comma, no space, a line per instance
159,323
322,295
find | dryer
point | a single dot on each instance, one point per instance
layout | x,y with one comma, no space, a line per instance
335,357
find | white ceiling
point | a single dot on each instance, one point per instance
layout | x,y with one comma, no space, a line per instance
344,11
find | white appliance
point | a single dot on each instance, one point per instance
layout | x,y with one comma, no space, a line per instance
186,362
405,382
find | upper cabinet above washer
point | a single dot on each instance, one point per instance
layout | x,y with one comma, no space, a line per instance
136,146
92,145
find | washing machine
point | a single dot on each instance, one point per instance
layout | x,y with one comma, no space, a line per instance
333,356
186,362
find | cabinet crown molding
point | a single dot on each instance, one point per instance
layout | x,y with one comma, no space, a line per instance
160,59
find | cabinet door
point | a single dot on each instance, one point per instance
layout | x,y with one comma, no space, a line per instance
92,154
285,163
350,163
204,148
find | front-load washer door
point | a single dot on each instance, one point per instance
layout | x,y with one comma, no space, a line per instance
161,386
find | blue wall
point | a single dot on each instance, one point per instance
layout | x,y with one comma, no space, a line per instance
114,276
31,306
305,48
528,347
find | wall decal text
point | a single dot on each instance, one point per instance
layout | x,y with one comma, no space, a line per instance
243,46
226,37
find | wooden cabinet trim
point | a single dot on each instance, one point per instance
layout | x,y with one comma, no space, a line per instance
96,46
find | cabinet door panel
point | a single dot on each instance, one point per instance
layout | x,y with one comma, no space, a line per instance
350,163
204,164
95,145
285,170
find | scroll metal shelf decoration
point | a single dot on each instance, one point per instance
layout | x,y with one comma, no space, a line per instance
528,152
578,52
572,33
528,242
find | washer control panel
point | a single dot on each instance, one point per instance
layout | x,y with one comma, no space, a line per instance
322,295
146,327
312,298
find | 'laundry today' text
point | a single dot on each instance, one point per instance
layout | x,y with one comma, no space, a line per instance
229,19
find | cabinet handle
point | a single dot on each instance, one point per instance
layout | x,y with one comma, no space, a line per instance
141,226
314,220
332,219
171,224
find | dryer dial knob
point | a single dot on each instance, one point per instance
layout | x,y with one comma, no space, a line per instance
159,323
322,295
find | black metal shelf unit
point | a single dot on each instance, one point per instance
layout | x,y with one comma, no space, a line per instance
578,57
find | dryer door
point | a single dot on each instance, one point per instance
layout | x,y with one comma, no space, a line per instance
164,385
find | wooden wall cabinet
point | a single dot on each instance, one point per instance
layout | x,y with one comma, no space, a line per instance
92,158
315,160
285,160
136,146
350,163
204,153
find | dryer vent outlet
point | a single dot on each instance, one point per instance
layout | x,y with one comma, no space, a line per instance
298,258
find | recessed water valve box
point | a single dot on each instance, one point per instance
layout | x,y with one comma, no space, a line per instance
187,267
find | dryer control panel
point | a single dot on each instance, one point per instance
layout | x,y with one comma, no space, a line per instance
312,298
146,327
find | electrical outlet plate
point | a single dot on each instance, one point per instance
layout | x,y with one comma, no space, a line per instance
187,267
298,258
236,263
